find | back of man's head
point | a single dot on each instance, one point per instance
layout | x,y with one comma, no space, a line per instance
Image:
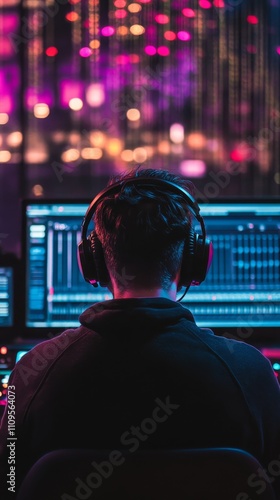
142,230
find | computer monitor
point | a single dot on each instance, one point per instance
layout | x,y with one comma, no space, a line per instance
241,290
6,296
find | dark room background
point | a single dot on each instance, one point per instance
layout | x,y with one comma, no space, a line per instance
91,88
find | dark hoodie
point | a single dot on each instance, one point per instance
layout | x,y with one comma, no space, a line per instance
139,373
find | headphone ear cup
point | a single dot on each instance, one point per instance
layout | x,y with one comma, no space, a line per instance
86,262
98,259
91,261
188,258
196,260
202,259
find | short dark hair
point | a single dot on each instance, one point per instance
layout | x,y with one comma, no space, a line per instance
142,230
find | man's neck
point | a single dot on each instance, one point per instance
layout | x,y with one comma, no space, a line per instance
146,292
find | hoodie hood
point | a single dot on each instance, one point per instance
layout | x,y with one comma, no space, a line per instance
136,313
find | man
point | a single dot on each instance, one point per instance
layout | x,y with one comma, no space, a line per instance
138,372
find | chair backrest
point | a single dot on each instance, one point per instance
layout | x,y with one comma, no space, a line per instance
197,474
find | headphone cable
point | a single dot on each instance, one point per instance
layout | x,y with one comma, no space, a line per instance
186,290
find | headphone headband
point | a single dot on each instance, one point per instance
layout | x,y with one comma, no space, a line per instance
146,181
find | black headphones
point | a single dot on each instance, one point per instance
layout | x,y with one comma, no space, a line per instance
198,250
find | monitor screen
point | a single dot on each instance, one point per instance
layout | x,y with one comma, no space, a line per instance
56,292
6,296
241,289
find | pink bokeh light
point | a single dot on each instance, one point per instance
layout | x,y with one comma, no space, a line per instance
9,23
205,4
219,4
252,19
51,51
150,50
188,13
184,35
193,168
169,35
122,59
120,14
85,52
107,31
162,18
163,51
6,105
6,47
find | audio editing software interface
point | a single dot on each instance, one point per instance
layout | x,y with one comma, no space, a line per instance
55,289
6,324
242,286
6,296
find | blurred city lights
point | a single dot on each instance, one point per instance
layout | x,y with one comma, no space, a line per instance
41,110
177,133
95,95
76,103
193,168
133,114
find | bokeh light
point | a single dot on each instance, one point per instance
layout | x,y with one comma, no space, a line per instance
51,51
193,168
5,156
139,155
95,95
114,146
108,31
85,52
252,19
76,104
38,190
14,139
133,114
120,14
134,8
196,140
120,4
188,12
127,155
41,110
205,4
137,29
91,153
170,35
162,18
150,50
94,44
70,155
177,133
72,16
4,118
163,51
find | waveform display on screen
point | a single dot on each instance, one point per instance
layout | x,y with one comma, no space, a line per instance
56,290
242,286
6,296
